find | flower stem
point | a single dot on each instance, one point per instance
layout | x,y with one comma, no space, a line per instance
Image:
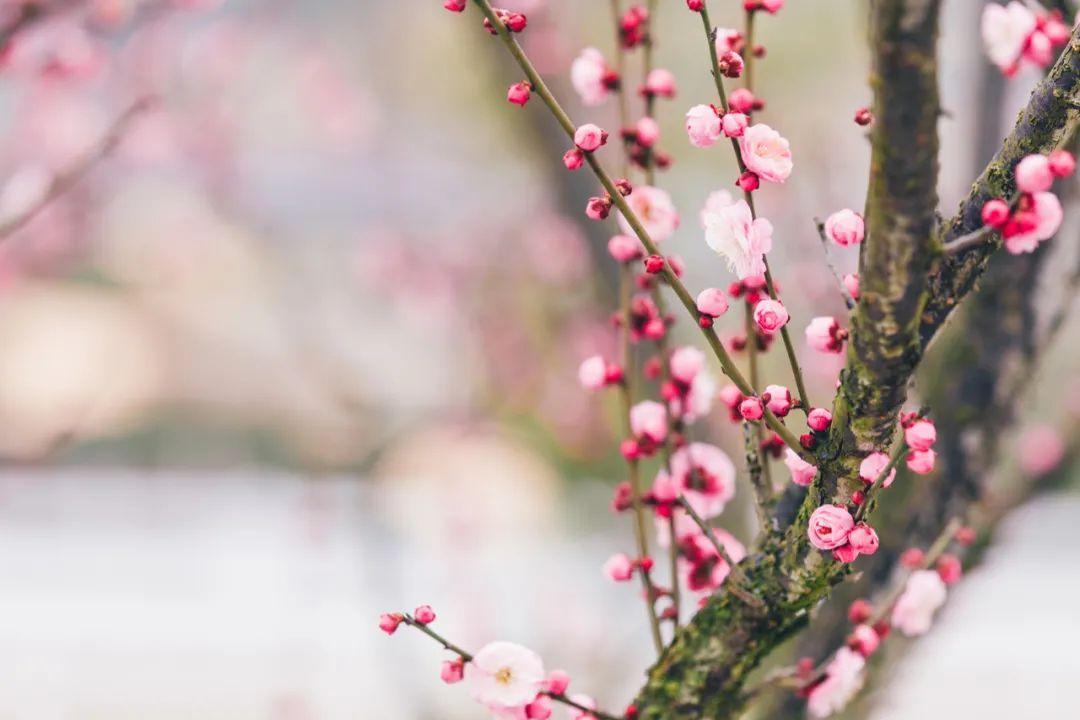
672,280
738,577
879,481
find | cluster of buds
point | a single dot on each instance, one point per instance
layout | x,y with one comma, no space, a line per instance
832,528
705,124
646,321
634,27
920,436
640,141
1016,34
515,22
1036,215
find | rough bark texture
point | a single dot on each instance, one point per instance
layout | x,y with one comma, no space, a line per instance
909,288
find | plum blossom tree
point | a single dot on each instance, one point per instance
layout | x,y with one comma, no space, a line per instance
842,455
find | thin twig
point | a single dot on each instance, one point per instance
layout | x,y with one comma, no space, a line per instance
970,240
879,481
68,178
848,300
763,490
738,577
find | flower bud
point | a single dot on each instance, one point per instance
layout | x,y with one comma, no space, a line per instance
863,116
748,181
819,419
519,93
424,614
573,159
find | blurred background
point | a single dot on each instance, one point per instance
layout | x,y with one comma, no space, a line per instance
291,308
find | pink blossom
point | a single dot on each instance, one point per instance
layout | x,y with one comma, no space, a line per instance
779,400
772,6
864,640
1062,163
648,419
653,207
731,396
766,153
742,240
995,213
598,207
589,75
822,334
863,539
1045,216
843,679
590,137
921,462
717,200
424,615
660,82
519,93
1033,174
727,40
914,611
845,227
819,419
539,709
802,472
1039,50
1005,32
505,675
846,553
452,671
770,315
705,475
454,5
624,248
1040,449
920,434
592,373
711,302
851,282
557,682
703,126
647,131
741,100
872,465
388,622
619,568
734,124
751,409
685,363
829,527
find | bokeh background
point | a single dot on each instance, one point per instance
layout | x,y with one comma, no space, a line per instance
301,347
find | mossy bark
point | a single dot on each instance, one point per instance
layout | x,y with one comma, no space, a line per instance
908,288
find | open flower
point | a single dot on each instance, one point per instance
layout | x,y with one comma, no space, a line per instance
648,421
703,126
1005,32
914,611
829,527
766,153
704,474
802,472
505,675
733,232
872,465
843,680
655,210
589,74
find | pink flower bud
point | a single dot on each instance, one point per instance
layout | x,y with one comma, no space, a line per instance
772,6
920,435
1062,163
779,400
648,419
630,449
824,335
864,640
802,472
624,248
515,22
1033,174
845,554
995,213
730,64
388,622
424,614
598,208
741,101
647,131
519,93
454,5
733,124
819,419
912,558
539,709
845,227
770,315
619,568
665,489
711,302
751,409
851,282
863,116
731,396
452,671
829,527
872,465
949,569
654,264
592,373
703,127
921,462
573,159
557,681
693,5
685,363
660,82
590,137
748,181
966,535
1039,49
859,611
864,539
